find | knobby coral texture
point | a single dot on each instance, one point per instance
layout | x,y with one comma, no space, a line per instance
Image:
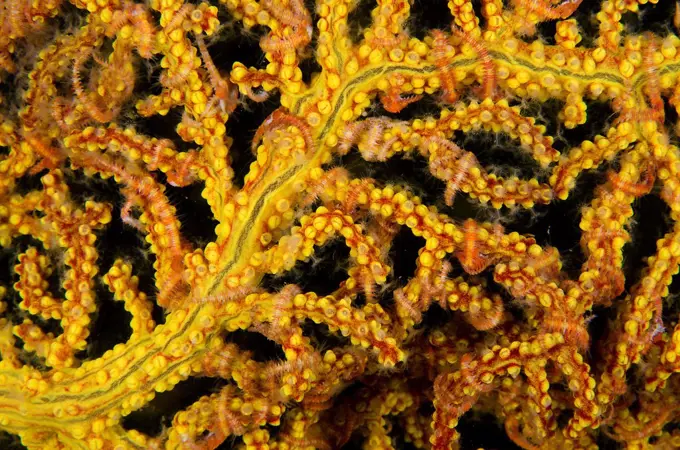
385,224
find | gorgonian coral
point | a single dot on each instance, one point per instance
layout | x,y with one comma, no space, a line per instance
487,320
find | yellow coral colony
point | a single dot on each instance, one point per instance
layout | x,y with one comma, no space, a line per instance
69,109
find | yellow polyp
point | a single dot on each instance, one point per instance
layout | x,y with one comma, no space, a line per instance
513,370
333,81
324,107
626,68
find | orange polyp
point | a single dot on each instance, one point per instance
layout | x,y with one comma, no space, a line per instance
137,15
463,166
394,102
298,39
323,184
638,189
441,46
225,95
486,320
470,256
126,216
92,109
513,431
351,201
546,11
50,156
574,330
489,84
369,135
652,87
411,309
